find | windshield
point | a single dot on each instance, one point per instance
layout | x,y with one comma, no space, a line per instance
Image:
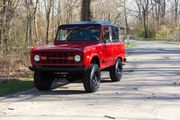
75,33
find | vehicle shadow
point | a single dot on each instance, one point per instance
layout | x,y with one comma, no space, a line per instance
65,90
59,87
138,83
62,88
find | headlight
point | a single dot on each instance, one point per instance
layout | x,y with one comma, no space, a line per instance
37,58
77,58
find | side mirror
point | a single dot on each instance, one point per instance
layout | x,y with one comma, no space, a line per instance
106,41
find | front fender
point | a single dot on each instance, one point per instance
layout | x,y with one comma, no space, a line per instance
89,55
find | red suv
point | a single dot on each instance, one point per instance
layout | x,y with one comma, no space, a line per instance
80,51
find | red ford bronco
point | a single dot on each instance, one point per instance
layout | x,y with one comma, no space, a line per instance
80,51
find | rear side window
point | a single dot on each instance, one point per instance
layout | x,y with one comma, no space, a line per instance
115,34
106,34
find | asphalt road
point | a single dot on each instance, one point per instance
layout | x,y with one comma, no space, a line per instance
149,90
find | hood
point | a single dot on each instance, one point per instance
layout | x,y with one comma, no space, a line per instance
73,46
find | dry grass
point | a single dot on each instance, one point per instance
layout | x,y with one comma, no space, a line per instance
14,63
14,73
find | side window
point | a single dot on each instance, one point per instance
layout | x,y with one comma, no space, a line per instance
106,35
115,34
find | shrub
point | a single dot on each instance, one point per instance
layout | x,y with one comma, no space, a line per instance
139,32
163,32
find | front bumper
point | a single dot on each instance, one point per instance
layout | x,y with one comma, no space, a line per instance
57,69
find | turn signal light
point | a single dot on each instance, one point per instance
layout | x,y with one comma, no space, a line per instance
43,58
70,58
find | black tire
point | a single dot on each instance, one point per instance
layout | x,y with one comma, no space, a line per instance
43,80
116,71
92,78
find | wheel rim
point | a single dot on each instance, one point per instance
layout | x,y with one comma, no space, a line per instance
119,70
95,79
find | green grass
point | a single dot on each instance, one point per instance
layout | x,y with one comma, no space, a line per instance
15,85
130,45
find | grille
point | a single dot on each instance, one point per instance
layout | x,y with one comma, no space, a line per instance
57,58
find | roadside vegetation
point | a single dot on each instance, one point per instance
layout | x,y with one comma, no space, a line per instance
9,86
130,45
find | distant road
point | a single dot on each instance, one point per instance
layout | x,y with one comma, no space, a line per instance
149,90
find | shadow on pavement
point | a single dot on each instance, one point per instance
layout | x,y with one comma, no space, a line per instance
147,82
146,51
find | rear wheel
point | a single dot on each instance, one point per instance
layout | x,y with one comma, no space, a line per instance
43,80
116,71
92,78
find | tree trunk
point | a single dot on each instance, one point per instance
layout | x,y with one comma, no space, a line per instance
86,10
48,7
144,23
145,11
31,12
139,11
27,31
125,18
4,22
36,29
163,11
59,13
35,22
176,2
47,30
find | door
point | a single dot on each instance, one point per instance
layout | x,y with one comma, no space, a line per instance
118,46
106,48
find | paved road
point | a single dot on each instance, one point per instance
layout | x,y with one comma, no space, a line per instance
149,90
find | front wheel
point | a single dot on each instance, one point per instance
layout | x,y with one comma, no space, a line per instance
92,78
116,71
42,80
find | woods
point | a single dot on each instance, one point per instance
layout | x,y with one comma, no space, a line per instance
7,12
26,23
160,18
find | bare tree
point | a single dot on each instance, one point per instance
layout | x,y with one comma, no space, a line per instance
69,11
157,11
163,11
48,6
86,10
125,17
7,11
31,8
35,21
143,6
138,3
176,5
59,13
